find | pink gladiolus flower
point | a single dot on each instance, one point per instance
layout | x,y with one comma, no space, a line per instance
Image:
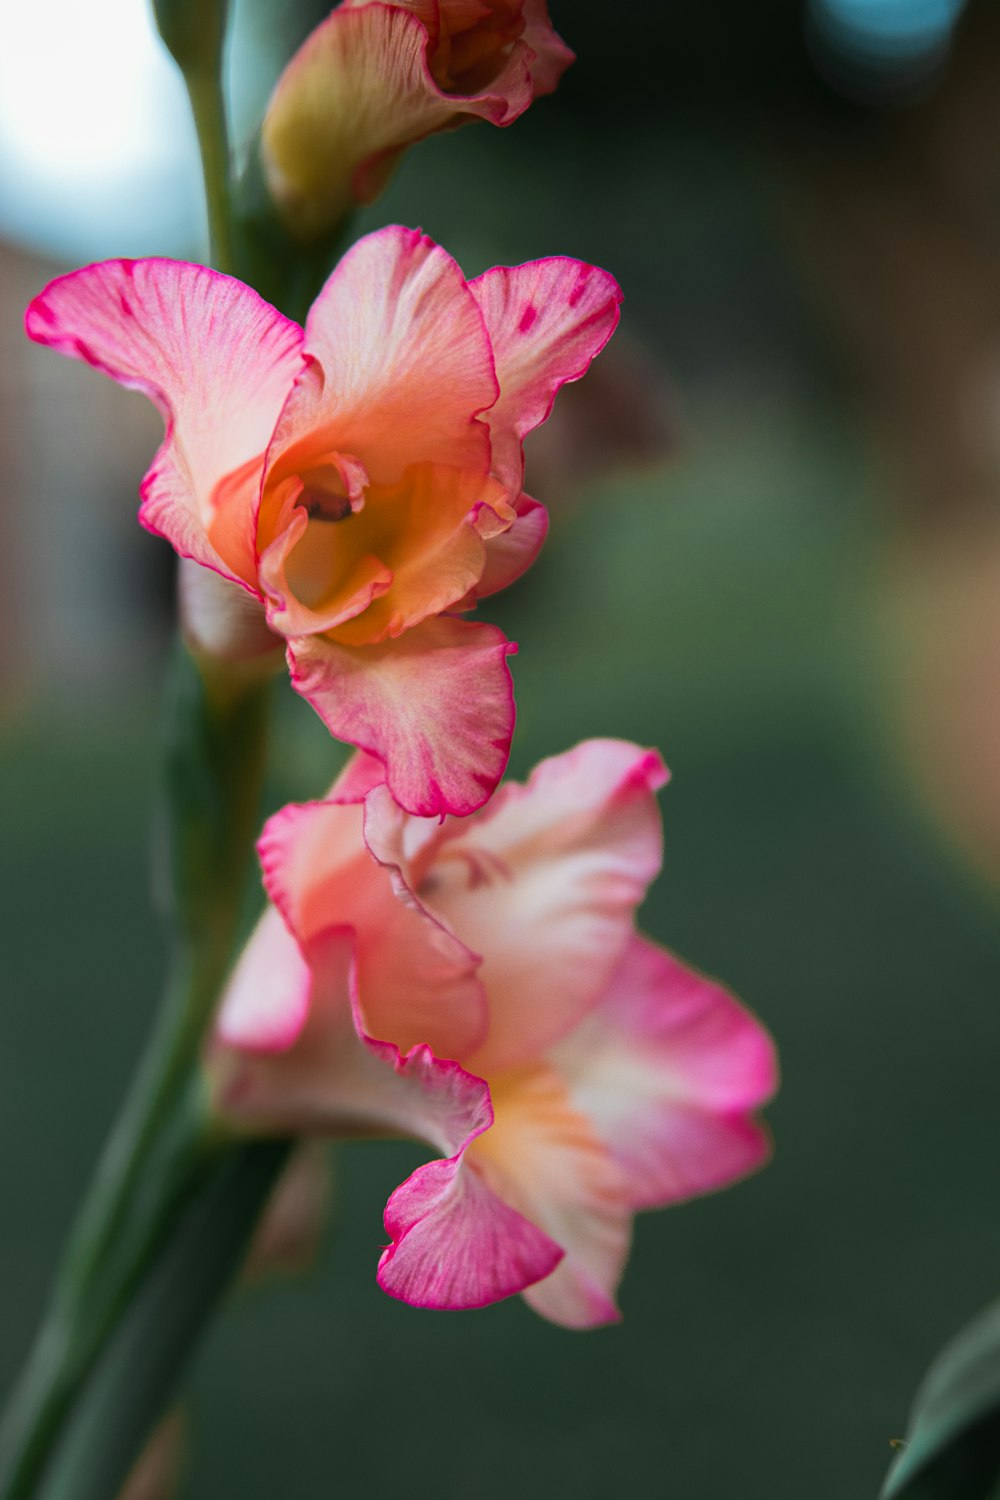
350,486
373,79
478,984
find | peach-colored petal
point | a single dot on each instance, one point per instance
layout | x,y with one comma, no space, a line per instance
543,1157
400,367
544,884
546,321
217,361
412,550
416,981
670,1068
312,582
424,529
436,706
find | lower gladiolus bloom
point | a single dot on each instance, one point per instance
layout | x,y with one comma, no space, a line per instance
478,984
350,487
374,78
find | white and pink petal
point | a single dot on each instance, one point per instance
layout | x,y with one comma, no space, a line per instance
671,1070
216,360
543,1157
416,981
544,883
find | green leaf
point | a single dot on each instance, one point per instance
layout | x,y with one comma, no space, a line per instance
136,1377
952,1449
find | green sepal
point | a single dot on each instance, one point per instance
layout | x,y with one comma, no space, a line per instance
286,271
952,1447
208,819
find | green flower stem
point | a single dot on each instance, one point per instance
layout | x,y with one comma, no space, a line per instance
209,112
138,1372
77,1327
194,33
161,1152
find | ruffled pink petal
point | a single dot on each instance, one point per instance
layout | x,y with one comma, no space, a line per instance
361,773
416,981
217,361
400,365
335,1079
455,1243
543,1157
546,321
512,552
670,1068
436,706
544,884
550,56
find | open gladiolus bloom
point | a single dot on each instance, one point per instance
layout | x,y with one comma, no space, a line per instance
479,984
374,78
350,486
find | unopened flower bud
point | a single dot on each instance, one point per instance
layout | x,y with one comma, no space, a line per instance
373,79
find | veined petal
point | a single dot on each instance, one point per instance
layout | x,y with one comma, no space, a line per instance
416,981
400,367
544,884
542,1157
455,1244
436,706
670,1069
217,361
546,321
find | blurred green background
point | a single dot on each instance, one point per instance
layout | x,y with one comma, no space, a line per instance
773,555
